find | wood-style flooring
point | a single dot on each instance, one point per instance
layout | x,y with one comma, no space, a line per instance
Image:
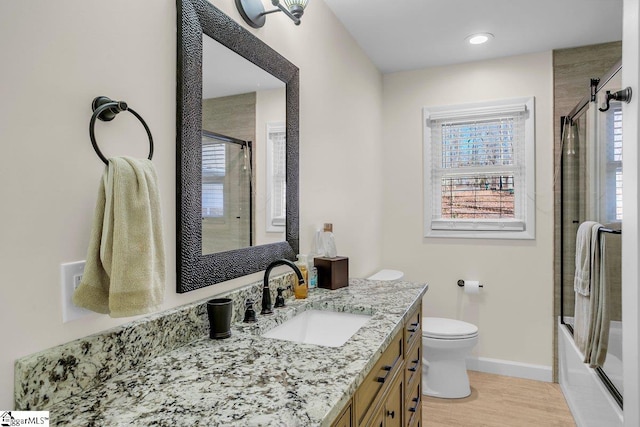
499,401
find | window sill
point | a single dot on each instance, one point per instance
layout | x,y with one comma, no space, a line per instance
471,234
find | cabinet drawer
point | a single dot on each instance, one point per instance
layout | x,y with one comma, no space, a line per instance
413,327
413,364
413,405
379,378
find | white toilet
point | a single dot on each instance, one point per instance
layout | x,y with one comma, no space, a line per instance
445,345
387,275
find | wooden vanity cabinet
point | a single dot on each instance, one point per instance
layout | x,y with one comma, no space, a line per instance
390,395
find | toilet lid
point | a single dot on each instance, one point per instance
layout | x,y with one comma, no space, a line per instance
387,275
438,327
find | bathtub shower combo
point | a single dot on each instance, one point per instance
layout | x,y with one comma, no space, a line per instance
591,190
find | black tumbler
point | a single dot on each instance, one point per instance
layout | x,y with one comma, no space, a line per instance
219,311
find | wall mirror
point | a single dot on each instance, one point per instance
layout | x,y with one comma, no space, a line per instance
236,96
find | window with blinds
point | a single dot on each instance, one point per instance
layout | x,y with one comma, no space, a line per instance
612,179
479,170
214,169
276,177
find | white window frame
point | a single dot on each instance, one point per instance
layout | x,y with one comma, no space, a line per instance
274,223
521,228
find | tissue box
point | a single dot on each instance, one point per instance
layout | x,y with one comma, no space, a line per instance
333,273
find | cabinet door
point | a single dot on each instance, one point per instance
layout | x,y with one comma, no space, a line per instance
378,419
344,419
375,384
393,409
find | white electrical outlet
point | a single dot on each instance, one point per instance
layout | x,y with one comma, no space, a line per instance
70,275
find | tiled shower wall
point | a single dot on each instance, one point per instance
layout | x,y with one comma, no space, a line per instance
572,70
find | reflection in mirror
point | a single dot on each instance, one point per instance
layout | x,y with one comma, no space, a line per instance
226,193
240,101
200,265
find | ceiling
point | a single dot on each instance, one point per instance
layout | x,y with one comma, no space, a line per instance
411,34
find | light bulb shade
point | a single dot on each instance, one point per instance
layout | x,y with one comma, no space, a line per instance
296,7
252,11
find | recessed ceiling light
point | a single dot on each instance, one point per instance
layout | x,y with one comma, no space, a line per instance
479,38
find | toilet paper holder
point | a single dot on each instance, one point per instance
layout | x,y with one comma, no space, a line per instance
461,284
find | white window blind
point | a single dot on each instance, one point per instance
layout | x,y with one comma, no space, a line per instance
214,168
276,177
477,170
613,171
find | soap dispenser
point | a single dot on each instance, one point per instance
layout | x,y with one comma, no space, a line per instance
300,291
329,241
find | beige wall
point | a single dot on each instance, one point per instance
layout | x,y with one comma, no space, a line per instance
514,310
57,56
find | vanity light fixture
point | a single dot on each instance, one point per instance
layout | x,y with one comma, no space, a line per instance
479,38
252,11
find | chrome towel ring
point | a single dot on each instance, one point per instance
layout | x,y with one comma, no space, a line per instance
106,110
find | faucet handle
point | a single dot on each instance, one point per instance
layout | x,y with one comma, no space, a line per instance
279,298
249,312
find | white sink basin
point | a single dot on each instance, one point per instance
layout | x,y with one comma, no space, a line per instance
326,328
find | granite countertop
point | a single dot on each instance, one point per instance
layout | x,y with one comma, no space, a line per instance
248,380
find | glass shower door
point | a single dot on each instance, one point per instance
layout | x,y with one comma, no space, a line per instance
609,208
592,191
226,194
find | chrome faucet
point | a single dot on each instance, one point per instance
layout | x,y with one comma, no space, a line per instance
266,294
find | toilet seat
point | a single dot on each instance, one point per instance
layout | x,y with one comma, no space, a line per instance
447,329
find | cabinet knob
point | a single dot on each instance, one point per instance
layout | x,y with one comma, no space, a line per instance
391,414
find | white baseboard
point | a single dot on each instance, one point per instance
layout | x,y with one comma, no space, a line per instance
510,369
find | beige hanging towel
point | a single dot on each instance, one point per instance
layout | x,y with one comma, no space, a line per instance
586,242
124,273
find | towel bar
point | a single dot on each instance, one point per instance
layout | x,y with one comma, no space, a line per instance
608,230
106,109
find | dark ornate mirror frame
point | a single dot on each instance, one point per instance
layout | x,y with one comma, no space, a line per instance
195,270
